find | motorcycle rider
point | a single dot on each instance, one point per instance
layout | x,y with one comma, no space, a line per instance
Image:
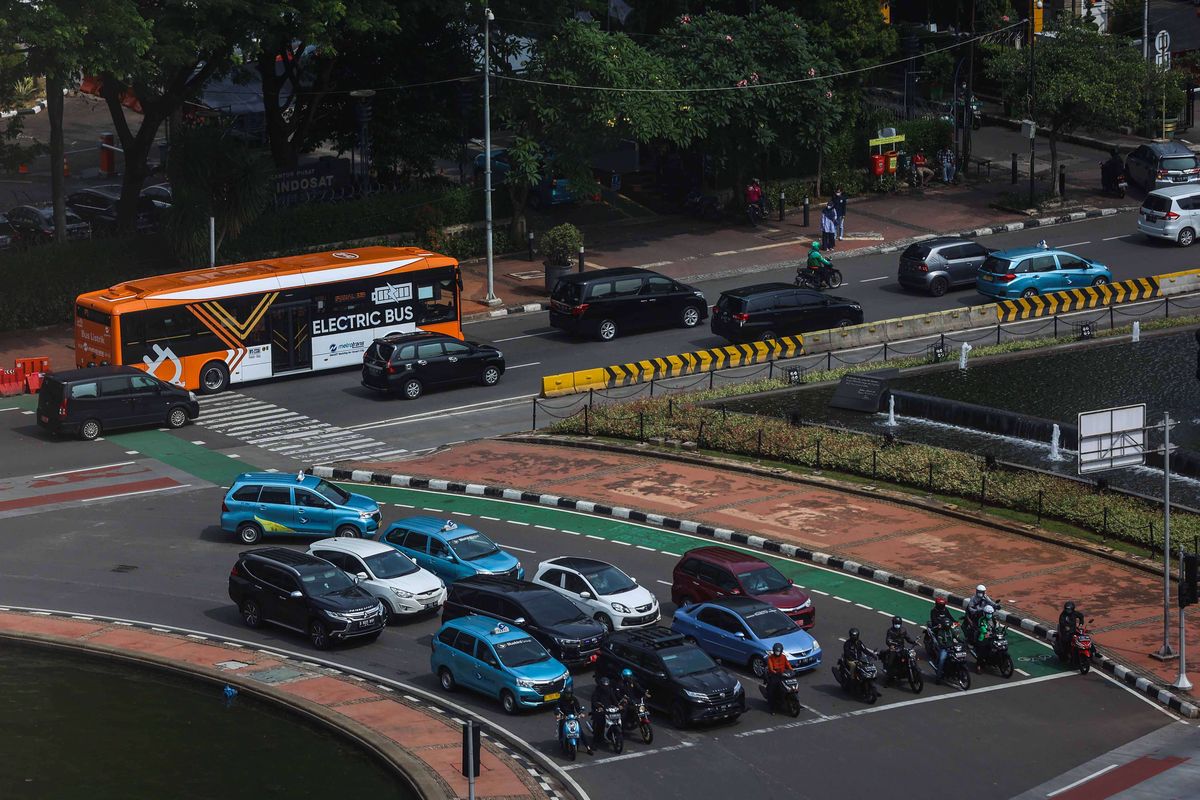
940,615
631,694
983,637
1068,620
606,695
854,651
777,664
977,604
818,266
568,704
755,197
895,638
1111,170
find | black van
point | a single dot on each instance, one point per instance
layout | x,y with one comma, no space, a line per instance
92,400
608,302
570,635
767,311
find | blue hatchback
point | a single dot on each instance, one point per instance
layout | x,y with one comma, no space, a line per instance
742,630
274,502
449,550
1030,271
494,659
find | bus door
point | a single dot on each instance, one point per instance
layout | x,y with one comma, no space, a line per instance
291,340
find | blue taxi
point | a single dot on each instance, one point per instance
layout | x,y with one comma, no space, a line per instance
258,503
1030,271
489,657
449,550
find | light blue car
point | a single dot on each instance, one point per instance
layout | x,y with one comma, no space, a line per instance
1030,271
261,503
449,550
489,657
742,630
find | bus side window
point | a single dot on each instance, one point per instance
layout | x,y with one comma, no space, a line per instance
436,303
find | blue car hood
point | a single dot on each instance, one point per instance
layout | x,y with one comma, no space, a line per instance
362,503
797,641
496,562
547,670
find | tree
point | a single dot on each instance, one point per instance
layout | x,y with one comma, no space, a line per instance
1082,79
213,175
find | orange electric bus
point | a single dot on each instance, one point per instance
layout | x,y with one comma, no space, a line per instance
209,328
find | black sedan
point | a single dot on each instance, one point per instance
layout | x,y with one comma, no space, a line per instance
35,224
407,363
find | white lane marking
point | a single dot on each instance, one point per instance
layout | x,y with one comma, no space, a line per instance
868,608
131,452
404,505
518,549
453,411
643,547
493,519
623,544
656,264
458,513
626,756
131,494
1085,779
573,533
665,583
869,280
27,412
525,336
84,469
877,611
426,508
1023,672
233,455
818,591
1072,244
594,536
11,408
725,253
518,366
514,522
842,599
1123,236
545,527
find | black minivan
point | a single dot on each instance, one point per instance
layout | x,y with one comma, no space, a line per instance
767,311
608,302
92,400
571,636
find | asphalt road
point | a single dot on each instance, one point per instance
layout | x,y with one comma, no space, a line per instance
532,350
158,556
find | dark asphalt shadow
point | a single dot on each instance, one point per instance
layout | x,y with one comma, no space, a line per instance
213,533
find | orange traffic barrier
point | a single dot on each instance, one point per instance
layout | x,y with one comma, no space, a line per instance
33,364
33,382
23,169
12,382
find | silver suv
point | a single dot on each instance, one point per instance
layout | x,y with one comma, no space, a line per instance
1158,164
935,265
1172,213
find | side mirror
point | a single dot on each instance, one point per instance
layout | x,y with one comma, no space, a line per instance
791,582
586,595
360,576
519,620
739,634
296,595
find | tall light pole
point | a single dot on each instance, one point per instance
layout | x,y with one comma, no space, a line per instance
490,298
362,113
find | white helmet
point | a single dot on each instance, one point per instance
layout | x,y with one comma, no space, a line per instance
981,589
989,610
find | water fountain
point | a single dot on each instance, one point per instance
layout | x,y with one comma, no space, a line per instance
962,355
1137,331
891,419
1055,433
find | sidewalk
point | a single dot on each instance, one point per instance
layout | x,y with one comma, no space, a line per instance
417,740
873,526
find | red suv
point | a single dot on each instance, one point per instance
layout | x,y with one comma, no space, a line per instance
710,572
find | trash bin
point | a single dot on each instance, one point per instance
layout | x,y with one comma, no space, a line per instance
892,161
877,164
554,272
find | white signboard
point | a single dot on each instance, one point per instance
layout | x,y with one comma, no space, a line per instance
1112,438
1162,49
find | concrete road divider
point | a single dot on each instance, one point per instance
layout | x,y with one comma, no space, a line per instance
700,361
1179,282
900,328
1047,305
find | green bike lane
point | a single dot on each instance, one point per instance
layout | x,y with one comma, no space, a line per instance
1031,657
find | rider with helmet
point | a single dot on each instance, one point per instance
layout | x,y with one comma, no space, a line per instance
606,695
818,265
975,606
854,651
940,614
983,636
631,694
568,704
895,638
1068,620
777,665
943,627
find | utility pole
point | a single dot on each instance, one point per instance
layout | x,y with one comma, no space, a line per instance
490,298
969,113
1165,652
1032,98
1182,681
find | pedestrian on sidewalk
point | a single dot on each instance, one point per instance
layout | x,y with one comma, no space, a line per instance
946,157
839,205
828,227
921,168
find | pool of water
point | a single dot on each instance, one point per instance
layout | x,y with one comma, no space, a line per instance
86,727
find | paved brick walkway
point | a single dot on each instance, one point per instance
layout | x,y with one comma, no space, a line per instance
425,744
1027,575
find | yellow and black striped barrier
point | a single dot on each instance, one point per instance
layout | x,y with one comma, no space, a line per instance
700,361
1047,305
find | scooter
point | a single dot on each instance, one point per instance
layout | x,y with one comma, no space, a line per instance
1081,649
862,682
789,689
638,715
612,729
1116,187
808,279
995,654
954,670
568,734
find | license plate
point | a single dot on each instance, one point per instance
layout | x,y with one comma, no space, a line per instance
550,697
429,602
1150,218
365,623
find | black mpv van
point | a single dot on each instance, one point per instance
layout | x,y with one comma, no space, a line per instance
92,400
767,311
608,302
567,633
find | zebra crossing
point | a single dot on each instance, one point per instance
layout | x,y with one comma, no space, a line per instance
280,430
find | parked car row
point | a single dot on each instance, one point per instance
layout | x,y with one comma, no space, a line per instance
89,212
512,639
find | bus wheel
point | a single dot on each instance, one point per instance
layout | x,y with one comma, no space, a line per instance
214,377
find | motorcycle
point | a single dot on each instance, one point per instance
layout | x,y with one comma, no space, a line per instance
862,682
568,734
995,654
954,671
1081,649
970,623
754,213
702,206
789,689
904,665
1117,186
612,729
637,714
808,279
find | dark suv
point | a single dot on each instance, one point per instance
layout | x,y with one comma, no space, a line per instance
406,363
570,635
92,400
936,265
707,573
769,310
609,301
1159,164
305,593
680,677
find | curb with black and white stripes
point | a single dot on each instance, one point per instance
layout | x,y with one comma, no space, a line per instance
36,108
535,764
1031,626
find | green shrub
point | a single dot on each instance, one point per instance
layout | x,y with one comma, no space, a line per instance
561,244
930,134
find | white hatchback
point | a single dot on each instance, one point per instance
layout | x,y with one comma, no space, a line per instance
393,577
600,590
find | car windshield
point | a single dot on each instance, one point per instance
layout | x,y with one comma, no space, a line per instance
999,266
473,546
390,564
1156,202
332,493
1178,162
730,304
381,351
769,623
916,251
608,579
325,581
764,580
684,661
521,652
566,292
548,608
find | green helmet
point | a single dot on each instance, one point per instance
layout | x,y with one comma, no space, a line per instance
816,245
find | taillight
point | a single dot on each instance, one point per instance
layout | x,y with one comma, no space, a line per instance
742,317
577,311
233,573
923,267
391,369
1172,215
62,408
1006,278
1162,173
715,310
224,507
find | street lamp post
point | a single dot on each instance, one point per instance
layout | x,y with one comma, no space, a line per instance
362,114
490,298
